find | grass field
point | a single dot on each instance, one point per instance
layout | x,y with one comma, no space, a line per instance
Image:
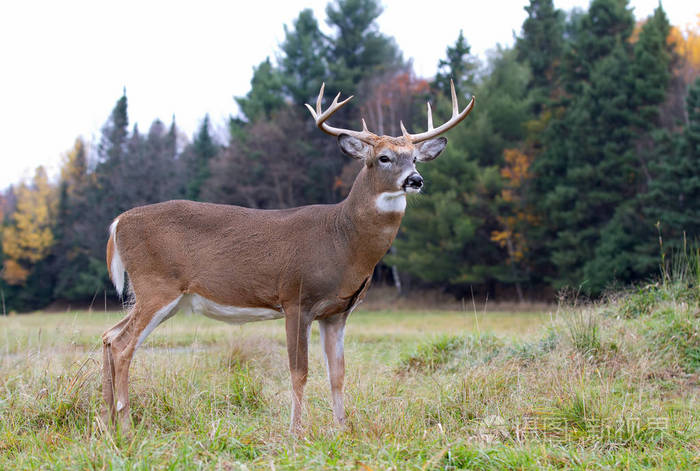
608,386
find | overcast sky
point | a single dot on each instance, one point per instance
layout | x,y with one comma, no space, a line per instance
64,63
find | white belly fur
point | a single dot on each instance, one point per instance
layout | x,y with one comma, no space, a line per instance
231,314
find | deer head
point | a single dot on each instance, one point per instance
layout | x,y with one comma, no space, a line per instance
390,161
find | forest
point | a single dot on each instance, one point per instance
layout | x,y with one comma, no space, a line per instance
578,168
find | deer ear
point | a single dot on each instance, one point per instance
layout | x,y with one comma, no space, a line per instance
353,147
430,149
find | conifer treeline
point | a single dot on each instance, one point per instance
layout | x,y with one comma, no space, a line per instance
584,144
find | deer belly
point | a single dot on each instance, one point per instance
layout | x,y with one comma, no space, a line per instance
231,314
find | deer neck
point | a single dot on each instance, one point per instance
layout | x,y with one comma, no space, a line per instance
370,219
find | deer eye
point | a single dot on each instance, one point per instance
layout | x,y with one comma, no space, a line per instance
384,159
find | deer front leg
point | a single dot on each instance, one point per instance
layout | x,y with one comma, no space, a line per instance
332,337
298,330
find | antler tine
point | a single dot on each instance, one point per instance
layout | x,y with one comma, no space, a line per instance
321,116
455,103
403,130
313,113
335,106
320,97
430,118
456,118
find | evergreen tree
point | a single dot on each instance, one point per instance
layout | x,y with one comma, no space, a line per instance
198,156
650,71
674,195
115,132
112,155
627,249
501,113
358,50
588,167
541,46
439,236
303,62
154,172
76,273
111,189
459,66
266,93
444,234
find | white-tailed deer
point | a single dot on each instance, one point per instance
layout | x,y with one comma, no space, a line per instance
240,265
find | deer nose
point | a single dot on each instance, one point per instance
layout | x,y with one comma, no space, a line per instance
414,180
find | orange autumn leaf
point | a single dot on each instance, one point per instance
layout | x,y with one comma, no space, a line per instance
14,273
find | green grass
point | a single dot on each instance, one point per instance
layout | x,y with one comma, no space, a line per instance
606,386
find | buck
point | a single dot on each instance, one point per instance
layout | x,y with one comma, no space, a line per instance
239,265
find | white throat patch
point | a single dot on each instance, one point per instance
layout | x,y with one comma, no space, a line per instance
391,202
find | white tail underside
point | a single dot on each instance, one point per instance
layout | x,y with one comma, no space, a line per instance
116,268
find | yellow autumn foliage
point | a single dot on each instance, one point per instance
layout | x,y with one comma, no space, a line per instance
686,43
29,238
517,168
74,169
14,273
515,172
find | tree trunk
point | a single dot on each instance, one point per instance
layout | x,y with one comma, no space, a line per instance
395,273
518,288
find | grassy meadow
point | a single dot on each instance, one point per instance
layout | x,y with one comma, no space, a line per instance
612,385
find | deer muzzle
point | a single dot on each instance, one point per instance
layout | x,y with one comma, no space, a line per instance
413,183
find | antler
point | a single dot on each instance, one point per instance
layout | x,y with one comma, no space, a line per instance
321,117
365,135
454,120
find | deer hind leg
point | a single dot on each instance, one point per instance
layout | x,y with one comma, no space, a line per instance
332,338
298,331
108,410
120,347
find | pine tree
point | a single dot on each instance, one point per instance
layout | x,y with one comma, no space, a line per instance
674,195
459,66
357,50
541,46
266,93
651,73
626,249
439,236
111,187
588,168
77,277
445,234
198,157
163,174
303,63
115,132
111,193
